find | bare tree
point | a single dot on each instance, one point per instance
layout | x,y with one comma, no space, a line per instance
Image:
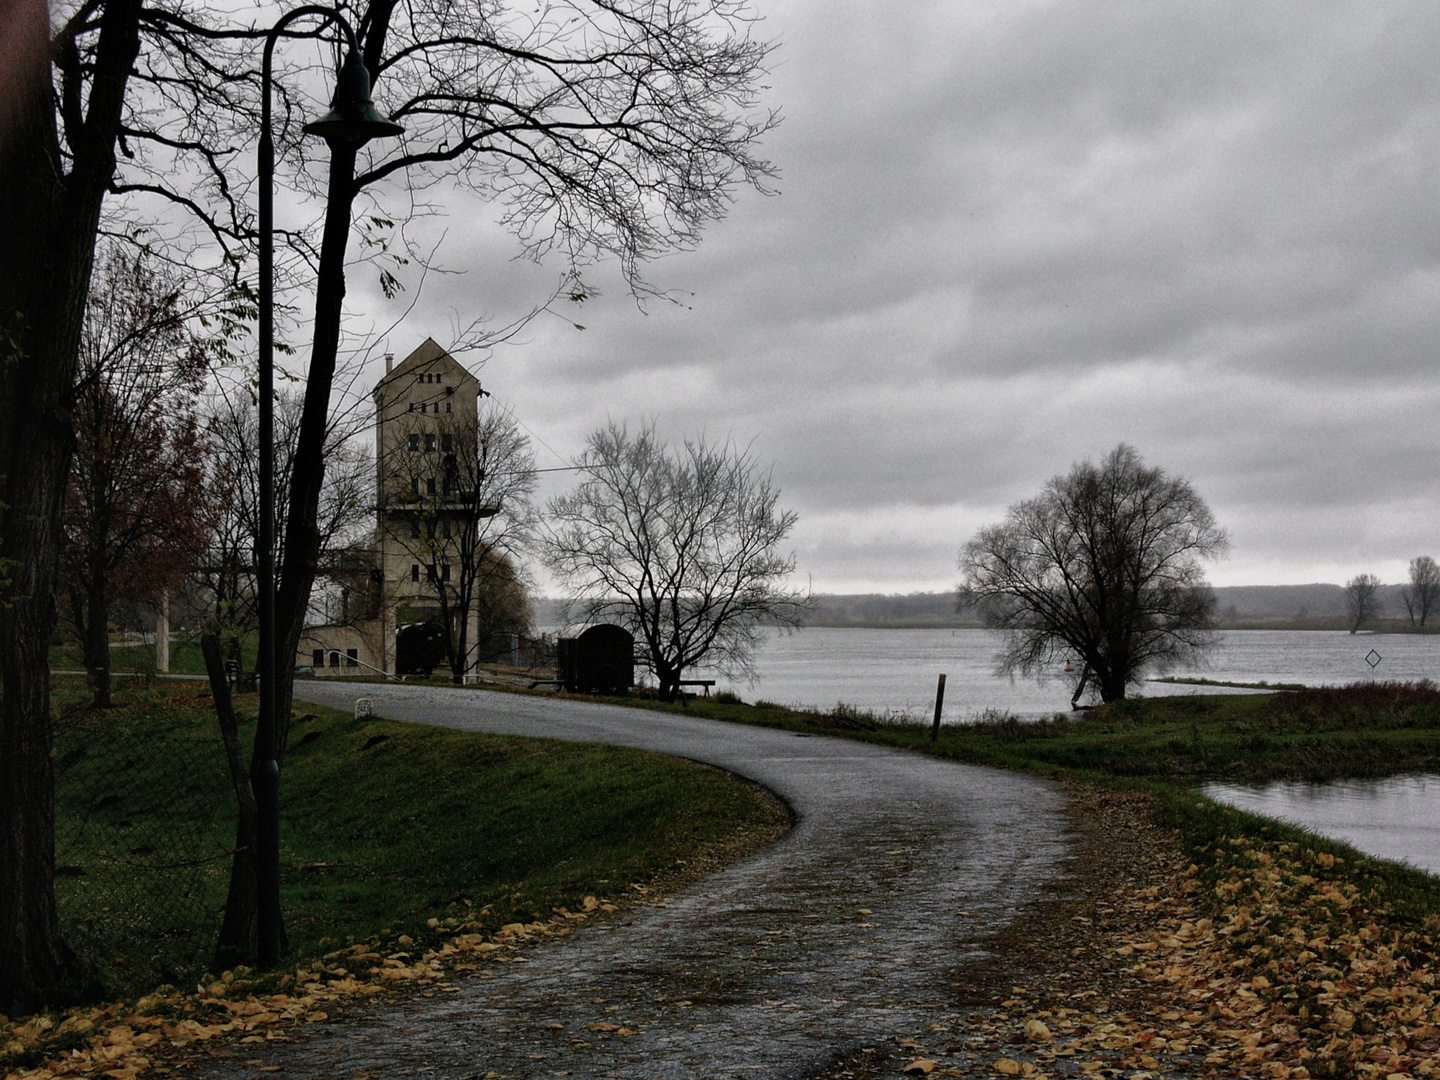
1362,599
1103,566
679,546
1423,590
464,506
226,565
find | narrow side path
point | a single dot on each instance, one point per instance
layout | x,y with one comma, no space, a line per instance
848,930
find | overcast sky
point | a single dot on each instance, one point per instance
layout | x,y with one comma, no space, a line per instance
1010,235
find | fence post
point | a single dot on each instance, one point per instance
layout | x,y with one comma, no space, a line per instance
939,701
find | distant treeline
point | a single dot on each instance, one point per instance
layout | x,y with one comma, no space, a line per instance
1316,606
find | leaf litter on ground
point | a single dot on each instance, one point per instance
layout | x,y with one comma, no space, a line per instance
128,1040
1266,964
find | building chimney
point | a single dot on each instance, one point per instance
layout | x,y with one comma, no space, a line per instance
389,362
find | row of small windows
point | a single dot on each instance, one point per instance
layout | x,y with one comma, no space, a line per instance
317,657
434,406
447,442
430,572
428,377
430,529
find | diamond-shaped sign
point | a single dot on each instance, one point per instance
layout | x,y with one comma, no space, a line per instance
1373,658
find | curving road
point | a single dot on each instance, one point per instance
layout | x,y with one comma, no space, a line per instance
765,969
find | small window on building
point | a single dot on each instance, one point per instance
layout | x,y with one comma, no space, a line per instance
414,442
447,443
430,574
445,571
430,485
410,407
414,486
415,571
415,530
429,442
447,407
445,528
352,657
334,657
317,657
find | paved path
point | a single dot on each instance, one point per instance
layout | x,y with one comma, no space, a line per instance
765,969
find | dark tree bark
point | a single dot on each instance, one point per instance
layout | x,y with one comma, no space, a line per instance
49,220
302,541
97,638
239,939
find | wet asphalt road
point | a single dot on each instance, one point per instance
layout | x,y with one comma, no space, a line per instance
765,969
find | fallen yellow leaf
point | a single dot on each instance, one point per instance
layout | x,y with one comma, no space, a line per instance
920,1066
1008,1067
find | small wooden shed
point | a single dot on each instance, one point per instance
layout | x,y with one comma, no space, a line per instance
600,661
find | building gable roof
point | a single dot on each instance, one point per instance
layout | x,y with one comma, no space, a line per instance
428,356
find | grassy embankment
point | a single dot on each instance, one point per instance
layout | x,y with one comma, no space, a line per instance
127,660
386,829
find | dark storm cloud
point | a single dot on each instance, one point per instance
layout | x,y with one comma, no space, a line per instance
1011,235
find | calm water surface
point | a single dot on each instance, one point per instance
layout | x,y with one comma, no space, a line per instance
1396,818
894,671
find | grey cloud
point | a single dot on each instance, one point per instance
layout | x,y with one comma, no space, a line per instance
1011,235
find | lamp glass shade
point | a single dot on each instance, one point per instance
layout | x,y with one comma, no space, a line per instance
353,118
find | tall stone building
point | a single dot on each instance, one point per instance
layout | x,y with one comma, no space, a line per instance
384,615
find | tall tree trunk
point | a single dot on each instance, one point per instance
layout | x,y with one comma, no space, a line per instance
1112,684
669,680
462,637
239,941
97,636
307,475
48,224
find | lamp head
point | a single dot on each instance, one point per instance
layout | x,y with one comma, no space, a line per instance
353,119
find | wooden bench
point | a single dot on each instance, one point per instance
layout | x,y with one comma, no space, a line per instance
241,682
706,683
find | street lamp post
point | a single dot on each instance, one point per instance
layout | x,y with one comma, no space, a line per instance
353,120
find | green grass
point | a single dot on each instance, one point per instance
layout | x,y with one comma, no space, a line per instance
185,658
384,826
1365,730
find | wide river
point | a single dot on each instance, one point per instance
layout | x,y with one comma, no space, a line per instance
895,671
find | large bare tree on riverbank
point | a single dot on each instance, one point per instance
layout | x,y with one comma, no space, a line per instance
1362,600
1104,566
679,545
607,129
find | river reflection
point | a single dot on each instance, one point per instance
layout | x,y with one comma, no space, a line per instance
1395,818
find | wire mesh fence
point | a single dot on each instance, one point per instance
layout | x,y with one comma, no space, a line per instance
145,826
